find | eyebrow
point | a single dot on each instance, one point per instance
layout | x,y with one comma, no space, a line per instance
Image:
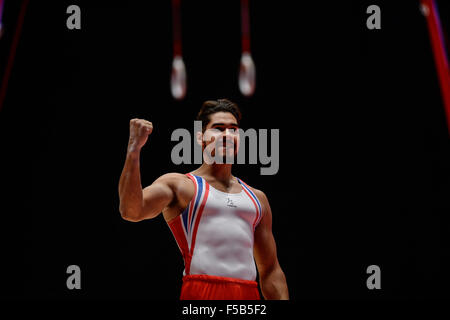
219,124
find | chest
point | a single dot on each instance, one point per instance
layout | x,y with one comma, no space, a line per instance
229,208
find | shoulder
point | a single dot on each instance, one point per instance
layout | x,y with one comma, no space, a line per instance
173,179
259,194
180,184
172,176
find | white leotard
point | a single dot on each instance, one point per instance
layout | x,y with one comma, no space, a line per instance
215,232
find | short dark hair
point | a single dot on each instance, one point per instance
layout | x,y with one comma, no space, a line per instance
213,106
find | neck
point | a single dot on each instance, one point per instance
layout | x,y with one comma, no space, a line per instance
221,172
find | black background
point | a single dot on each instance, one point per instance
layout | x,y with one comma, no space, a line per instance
364,148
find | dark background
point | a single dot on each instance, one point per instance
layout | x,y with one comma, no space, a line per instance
364,149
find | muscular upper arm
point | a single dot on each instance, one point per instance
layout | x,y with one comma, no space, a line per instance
265,251
160,194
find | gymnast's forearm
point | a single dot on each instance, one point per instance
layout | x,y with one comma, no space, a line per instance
274,286
130,188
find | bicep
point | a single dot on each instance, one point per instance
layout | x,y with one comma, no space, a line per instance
156,197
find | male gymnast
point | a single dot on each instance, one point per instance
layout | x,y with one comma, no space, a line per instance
221,225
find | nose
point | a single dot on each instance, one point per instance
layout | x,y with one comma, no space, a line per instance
229,132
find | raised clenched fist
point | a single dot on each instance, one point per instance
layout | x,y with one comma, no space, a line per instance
140,129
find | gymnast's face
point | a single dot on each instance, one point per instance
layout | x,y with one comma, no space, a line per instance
221,135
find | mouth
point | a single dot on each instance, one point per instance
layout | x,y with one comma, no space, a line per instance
227,148
228,145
